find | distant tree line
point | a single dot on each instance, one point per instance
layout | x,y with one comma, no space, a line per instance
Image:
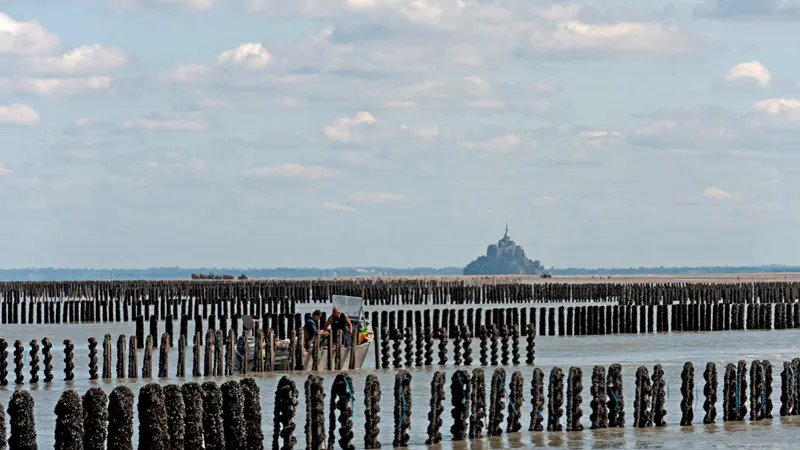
174,273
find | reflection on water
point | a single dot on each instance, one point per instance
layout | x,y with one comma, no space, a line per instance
670,350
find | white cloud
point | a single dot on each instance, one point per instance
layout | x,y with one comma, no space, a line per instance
780,113
595,135
165,122
747,74
296,171
338,207
18,114
249,55
716,193
86,59
641,39
3,169
56,86
25,38
343,129
372,197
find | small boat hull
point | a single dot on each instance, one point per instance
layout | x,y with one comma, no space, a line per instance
282,358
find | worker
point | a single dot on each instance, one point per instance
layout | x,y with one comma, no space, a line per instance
310,330
339,321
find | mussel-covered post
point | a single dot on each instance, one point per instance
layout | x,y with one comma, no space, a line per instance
176,415
120,418
641,403
435,414
574,399
342,401
477,403
599,404
233,415
497,403
193,416
687,394
94,421
22,422
659,397
153,428
459,398
710,393
537,400
68,364
69,422
47,359
530,349
555,400
213,422
252,414
402,408
372,404
515,400
283,415
315,413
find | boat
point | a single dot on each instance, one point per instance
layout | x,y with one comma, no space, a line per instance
350,357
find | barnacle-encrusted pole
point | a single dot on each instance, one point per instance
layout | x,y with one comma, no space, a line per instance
120,418
477,404
642,416
710,393
47,359
687,394
233,415
94,422
193,416
497,403
213,422
69,423
599,405
402,408
372,404
460,393
574,399
176,413
153,428
315,413
555,400
252,414
659,397
537,400
515,399
435,414
68,364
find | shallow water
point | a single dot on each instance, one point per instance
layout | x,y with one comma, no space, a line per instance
670,350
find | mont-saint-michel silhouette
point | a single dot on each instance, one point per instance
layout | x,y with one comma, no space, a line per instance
504,258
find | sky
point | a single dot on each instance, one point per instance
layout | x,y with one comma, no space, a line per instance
264,133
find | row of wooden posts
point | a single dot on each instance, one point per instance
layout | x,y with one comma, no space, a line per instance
108,301
213,417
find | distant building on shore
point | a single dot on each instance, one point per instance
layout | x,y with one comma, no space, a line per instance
504,258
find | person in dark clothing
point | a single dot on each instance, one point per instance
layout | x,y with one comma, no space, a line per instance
310,328
339,321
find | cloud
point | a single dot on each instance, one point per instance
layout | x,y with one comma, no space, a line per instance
4,170
56,86
25,38
343,130
374,197
166,122
18,114
338,207
751,73
575,39
769,124
86,59
250,55
716,193
775,10
295,171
